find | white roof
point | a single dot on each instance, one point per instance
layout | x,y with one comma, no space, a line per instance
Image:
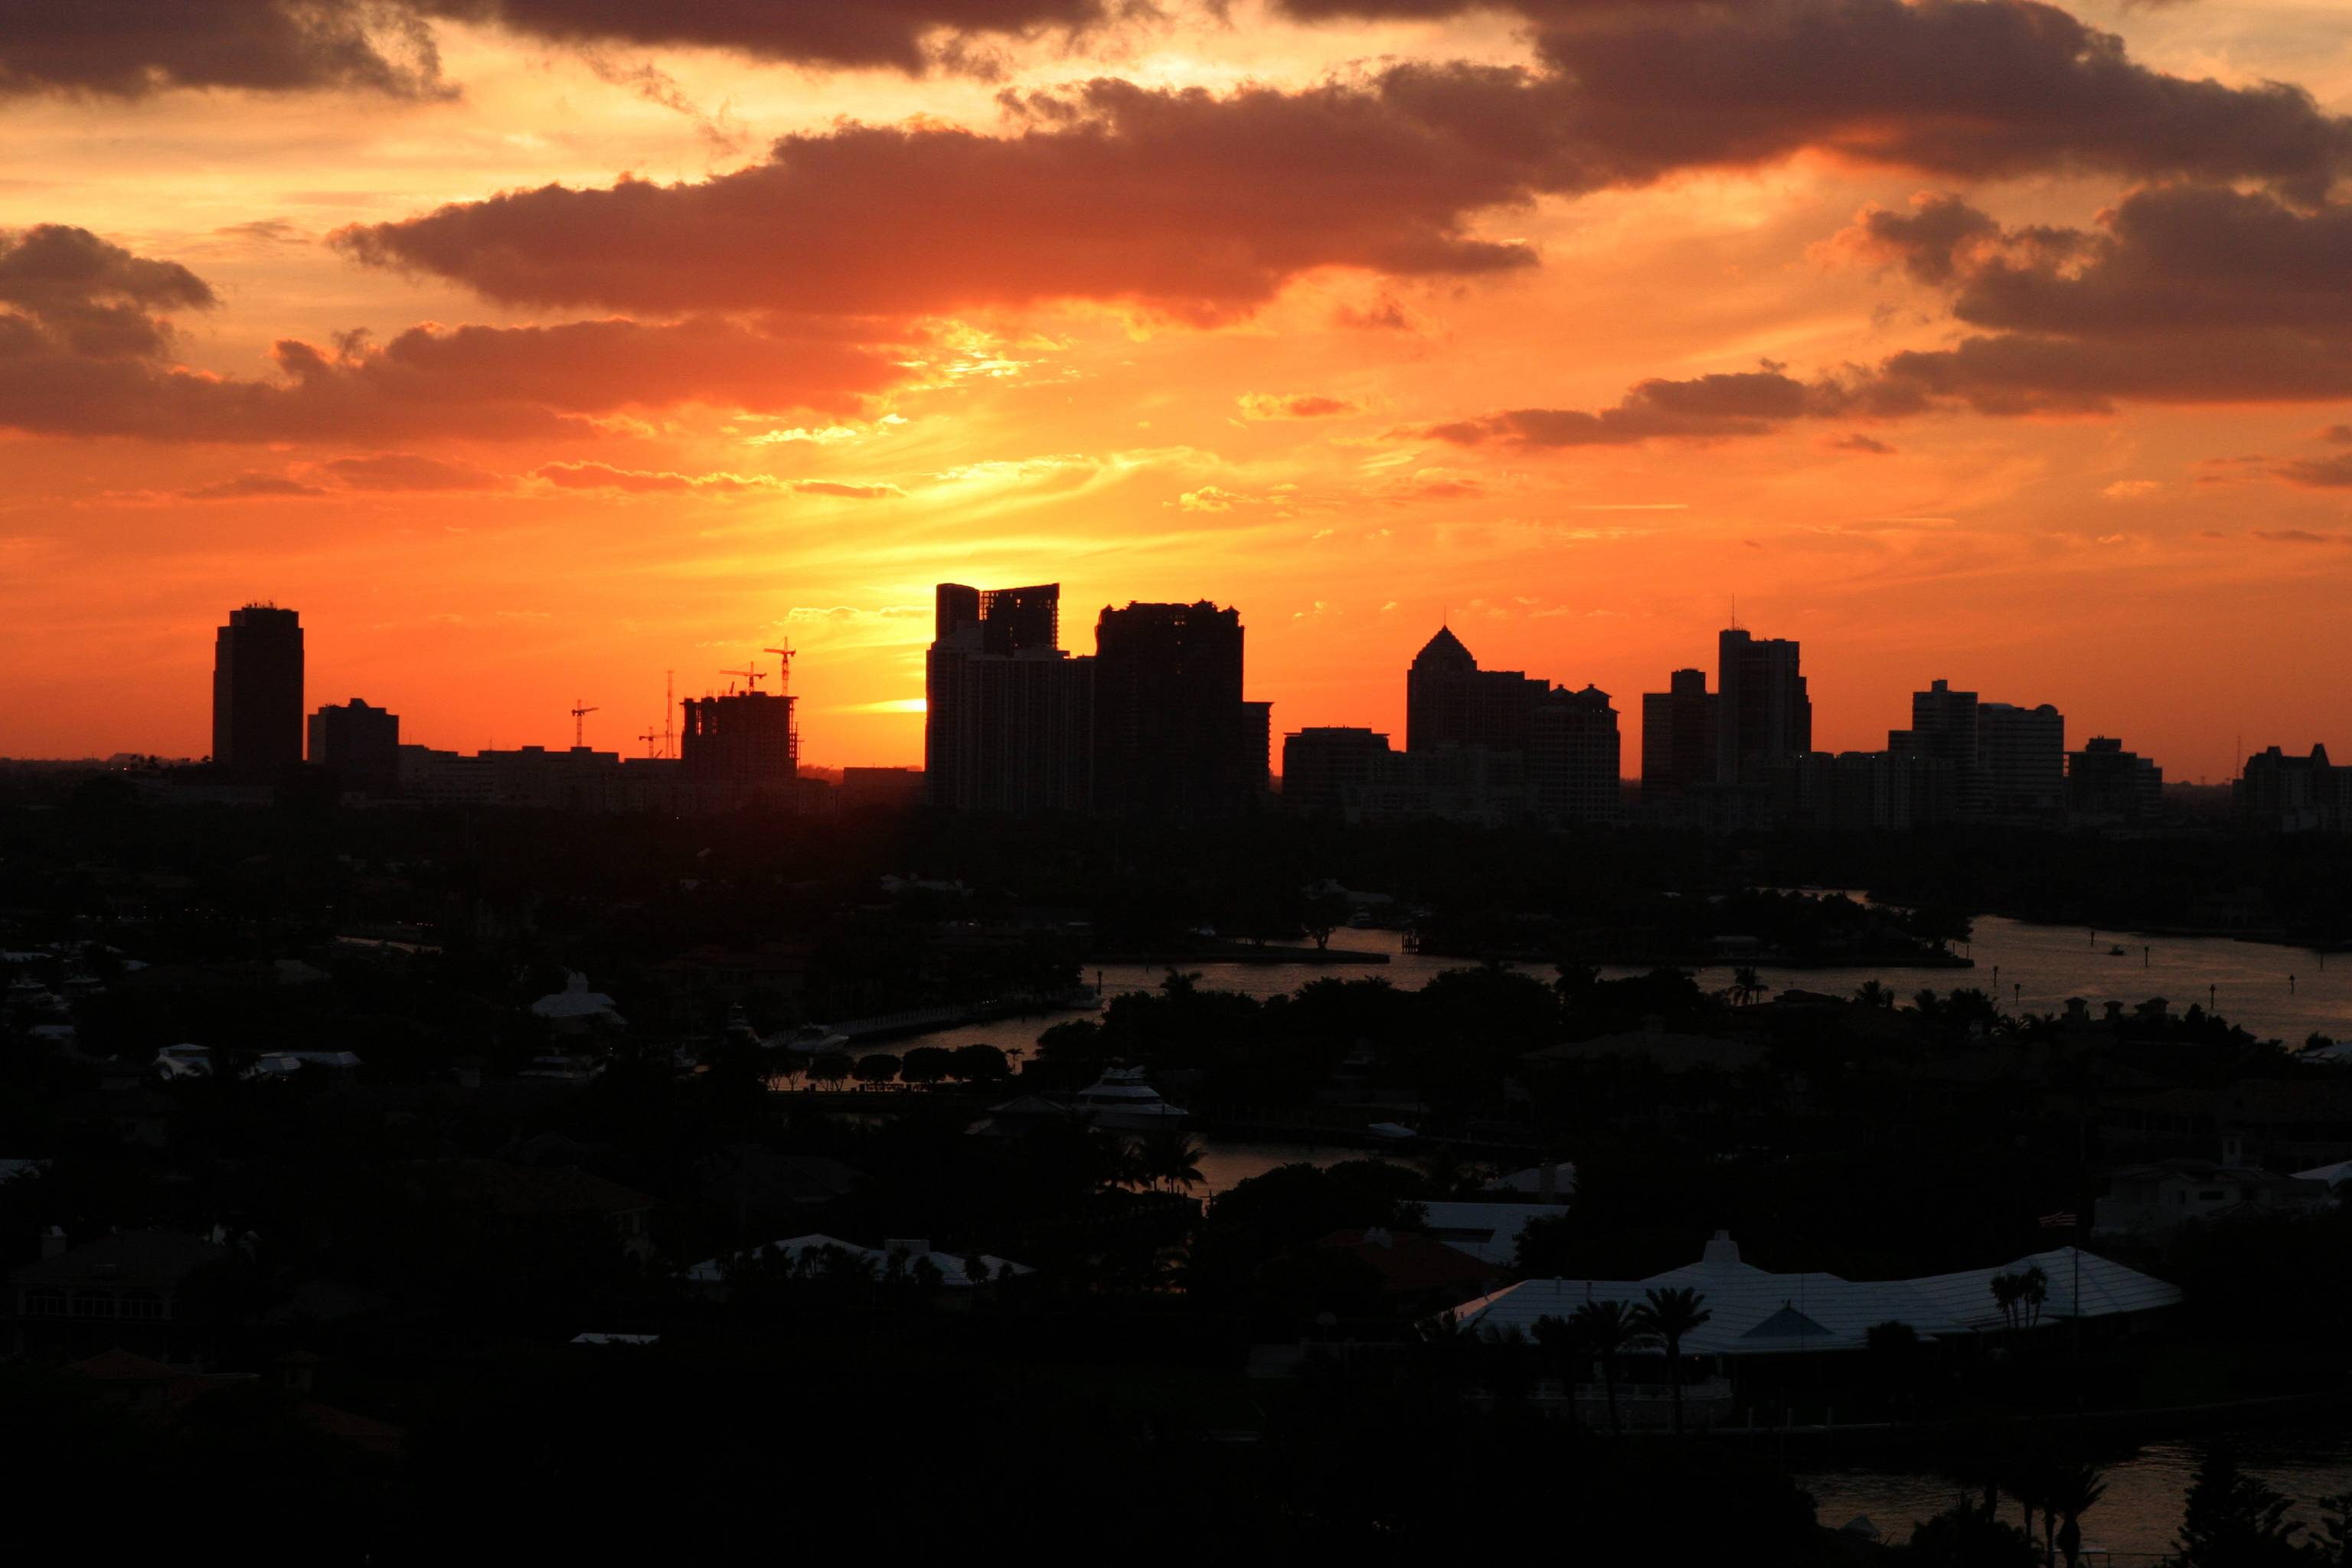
575,1001
593,1339
952,1269
1488,1232
1530,1180
1755,1312
2339,1172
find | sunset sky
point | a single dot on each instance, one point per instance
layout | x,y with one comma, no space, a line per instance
531,347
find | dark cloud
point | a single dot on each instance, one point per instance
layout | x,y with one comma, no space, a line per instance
253,487
2300,536
1200,204
1206,205
81,354
130,48
1709,407
1859,443
2317,473
410,471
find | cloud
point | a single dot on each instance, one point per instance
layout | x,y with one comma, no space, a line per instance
408,471
252,486
85,341
2130,489
1859,443
2317,473
1294,406
1210,497
1706,407
641,481
2300,536
133,49
1204,205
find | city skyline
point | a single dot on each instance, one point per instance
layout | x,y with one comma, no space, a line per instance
1636,716
2037,388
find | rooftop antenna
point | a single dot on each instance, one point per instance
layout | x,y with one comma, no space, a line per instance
783,663
669,708
751,677
578,722
1735,611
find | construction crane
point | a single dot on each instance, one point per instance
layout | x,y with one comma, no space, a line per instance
783,664
650,737
751,677
579,719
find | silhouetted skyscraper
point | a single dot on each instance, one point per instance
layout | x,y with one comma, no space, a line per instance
1173,733
2022,754
1678,737
361,745
1009,717
257,693
1320,767
2104,781
1450,702
739,745
1763,715
1944,729
1573,754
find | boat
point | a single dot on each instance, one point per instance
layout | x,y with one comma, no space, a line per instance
2114,952
1120,1098
812,1039
1395,1132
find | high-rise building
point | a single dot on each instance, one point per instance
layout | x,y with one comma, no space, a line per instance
741,745
1763,714
257,693
1322,767
1173,735
2105,783
1678,737
1009,717
1944,726
2278,792
1450,702
360,744
2021,754
1573,754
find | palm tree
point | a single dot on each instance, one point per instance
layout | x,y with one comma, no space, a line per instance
2073,1491
1875,994
2006,1290
2032,1290
1170,1158
1607,1330
1670,1314
1746,985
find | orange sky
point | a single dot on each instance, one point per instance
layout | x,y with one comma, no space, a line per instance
781,394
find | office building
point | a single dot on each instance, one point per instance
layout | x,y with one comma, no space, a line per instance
359,744
1678,737
1321,768
1572,755
1944,729
2021,756
1763,714
1450,702
1009,717
2279,792
257,693
2106,783
1173,733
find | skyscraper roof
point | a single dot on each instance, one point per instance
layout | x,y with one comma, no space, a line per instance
1442,651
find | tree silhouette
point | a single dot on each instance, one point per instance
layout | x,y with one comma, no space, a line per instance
2233,1520
1607,1330
1669,1315
2075,1491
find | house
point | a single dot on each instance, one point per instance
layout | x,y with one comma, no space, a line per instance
1547,1184
1488,1232
2148,1200
825,1257
576,1010
1757,1312
120,1289
2288,1124
1414,1266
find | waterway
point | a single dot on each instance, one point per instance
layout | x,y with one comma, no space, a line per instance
2138,1520
2277,993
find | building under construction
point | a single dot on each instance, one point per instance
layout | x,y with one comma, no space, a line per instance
740,745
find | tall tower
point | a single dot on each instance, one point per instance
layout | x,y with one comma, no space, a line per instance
257,693
1008,716
1173,733
1763,714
